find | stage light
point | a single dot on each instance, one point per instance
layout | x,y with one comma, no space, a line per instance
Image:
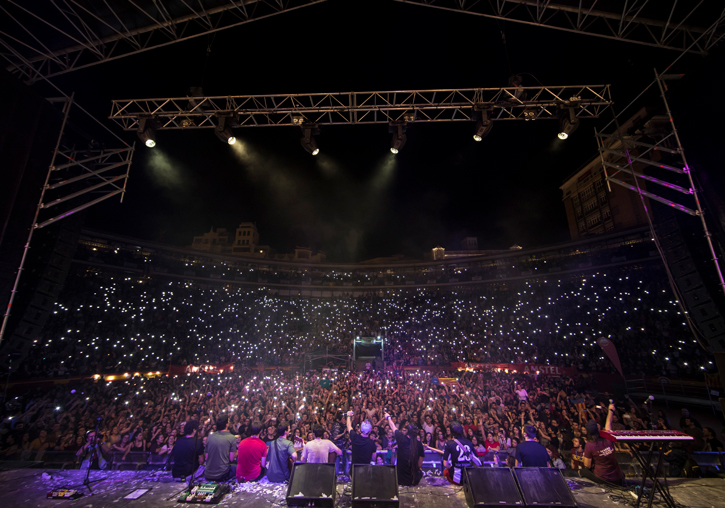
399,137
568,124
484,124
483,127
307,141
223,130
146,132
225,135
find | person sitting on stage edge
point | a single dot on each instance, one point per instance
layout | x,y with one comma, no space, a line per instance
280,451
531,453
457,454
599,453
318,450
221,448
252,455
410,454
188,453
363,448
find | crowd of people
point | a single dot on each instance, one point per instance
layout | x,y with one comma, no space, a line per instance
109,323
495,411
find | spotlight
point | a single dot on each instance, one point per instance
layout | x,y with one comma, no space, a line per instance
483,126
399,137
147,132
222,130
307,141
568,124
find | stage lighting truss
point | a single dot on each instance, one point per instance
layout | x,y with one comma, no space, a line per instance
47,38
77,34
666,24
634,160
654,155
391,107
80,177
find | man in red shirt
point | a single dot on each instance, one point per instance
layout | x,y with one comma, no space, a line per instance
251,456
600,454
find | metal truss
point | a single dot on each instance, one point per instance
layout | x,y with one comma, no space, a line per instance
465,105
658,150
669,24
76,179
46,38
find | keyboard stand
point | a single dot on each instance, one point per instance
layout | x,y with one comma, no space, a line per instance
658,484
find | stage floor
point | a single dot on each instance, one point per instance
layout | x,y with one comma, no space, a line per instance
28,487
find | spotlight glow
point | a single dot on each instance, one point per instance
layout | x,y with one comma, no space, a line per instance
231,140
476,137
150,143
393,150
315,151
563,135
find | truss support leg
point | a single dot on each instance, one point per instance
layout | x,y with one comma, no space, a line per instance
6,317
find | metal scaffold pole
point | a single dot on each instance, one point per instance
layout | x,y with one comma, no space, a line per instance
51,167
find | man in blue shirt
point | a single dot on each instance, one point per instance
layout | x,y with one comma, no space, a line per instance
531,453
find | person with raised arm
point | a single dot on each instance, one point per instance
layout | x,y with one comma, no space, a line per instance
600,455
363,448
410,454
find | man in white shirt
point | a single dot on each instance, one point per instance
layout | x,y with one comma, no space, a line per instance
318,450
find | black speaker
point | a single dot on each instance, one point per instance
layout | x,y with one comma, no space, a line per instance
682,268
490,486
312,485
689,282
696,297
374,486
543,486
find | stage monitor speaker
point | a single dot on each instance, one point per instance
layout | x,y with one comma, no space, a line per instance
312,485
491,486
374,486
543,486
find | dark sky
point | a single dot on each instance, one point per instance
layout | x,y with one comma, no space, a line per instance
355,200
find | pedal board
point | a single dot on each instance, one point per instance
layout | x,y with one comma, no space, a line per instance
211,493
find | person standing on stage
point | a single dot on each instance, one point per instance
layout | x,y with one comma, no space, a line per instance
280,451
410,454
318,450
363,448
600,455
531,453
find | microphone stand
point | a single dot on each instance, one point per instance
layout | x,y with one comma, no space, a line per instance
195,457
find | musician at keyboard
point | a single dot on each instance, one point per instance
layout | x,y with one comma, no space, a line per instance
600,455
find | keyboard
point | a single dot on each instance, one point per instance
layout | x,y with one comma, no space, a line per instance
645,435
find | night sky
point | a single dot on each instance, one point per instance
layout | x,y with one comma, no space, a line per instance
355,200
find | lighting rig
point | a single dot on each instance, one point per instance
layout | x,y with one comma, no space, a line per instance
398,109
